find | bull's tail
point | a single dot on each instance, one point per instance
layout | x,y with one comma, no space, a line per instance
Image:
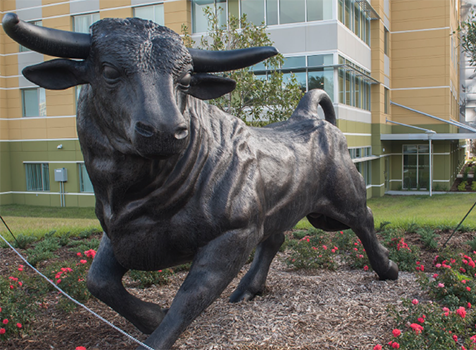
307,107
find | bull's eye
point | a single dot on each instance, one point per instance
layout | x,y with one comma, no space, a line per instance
111,74
184,82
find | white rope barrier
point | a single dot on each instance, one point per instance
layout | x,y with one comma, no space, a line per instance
75,301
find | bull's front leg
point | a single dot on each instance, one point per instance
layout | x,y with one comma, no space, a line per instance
105,283
213,268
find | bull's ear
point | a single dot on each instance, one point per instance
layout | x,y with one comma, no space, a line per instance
57,74
208,86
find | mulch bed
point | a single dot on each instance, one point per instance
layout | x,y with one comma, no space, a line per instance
306,309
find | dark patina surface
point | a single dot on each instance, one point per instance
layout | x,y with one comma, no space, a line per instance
178,180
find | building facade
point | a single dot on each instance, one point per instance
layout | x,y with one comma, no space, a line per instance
389,66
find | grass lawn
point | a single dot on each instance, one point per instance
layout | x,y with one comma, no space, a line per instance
445,210
34,220
401,211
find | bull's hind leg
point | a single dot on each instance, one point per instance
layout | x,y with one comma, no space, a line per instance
377,253
253,283
105,283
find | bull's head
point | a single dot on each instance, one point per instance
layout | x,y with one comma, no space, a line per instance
139,74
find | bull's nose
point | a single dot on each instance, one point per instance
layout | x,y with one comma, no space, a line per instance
144,129
181,132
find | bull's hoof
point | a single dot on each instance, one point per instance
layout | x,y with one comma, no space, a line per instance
149,319
239,295
391,273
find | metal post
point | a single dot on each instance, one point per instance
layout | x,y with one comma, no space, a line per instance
431,166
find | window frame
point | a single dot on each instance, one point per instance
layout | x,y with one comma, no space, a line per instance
92,16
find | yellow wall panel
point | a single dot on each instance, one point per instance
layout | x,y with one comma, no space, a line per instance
15,134
104,4
11,82
119,13
60,123
62,23
176,6
4,130
8,5
33,134
57,10
59,133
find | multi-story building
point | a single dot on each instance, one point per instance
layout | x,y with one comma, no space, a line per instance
379,60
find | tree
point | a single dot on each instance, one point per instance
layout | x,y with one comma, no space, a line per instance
255,100
467,30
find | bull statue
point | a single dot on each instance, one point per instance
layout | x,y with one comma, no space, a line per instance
177,180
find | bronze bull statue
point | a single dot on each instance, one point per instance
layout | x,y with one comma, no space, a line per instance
178,180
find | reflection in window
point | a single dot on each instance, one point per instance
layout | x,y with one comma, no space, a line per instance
81,23
200,20
352,16
271,12
291,11
416,167
33,102
254,10
154,13
85,184
37,177
322,78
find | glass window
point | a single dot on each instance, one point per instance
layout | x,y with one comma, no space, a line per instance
341,10
348,13
416,167
291,11
318,10
300,77
341,86
357,92
271,12
319,60
234,8
37,23
294,62
33,102
356,29
386,37
154,13
386,100
81,23
85,184
322,78
37,177
254,10
200,21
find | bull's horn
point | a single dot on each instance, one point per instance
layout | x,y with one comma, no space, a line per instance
48,41
221,61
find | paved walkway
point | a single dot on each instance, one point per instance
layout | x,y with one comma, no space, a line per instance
421,193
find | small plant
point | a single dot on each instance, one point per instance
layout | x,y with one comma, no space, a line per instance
400,252
43,249
472,244
383,225
428,237
149,278
87,233
357,257
345,240
462,186
23,241
429,326
19,298
312,253
473,185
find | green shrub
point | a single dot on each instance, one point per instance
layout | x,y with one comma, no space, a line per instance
23,241
345,240
462,186
149,278
428,237
428,326
473,185
19,299
406,256
311,253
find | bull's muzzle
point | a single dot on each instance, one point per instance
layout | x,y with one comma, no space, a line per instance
180,132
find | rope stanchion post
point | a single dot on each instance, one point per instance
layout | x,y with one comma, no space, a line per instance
457,227
71,298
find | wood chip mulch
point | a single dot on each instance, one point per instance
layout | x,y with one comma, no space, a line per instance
318,309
